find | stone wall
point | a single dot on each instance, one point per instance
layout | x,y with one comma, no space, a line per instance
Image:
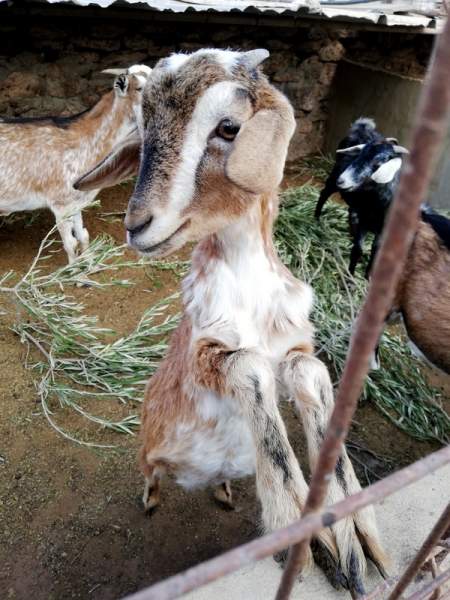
53,66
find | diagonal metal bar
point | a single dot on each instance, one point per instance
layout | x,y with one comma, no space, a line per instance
230,561
431,125
431,587
433,538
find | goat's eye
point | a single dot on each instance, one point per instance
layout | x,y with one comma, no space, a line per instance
227,130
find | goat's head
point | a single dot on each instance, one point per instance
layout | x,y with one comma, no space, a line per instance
128,88
214,140
373,163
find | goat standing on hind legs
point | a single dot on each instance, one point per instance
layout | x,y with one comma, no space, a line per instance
215,138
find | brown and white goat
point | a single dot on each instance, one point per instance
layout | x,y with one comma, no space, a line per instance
40,158
423,294
215,140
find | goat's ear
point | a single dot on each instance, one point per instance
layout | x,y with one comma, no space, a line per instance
401,150
114,72
392,140
350,149
256,162
120,164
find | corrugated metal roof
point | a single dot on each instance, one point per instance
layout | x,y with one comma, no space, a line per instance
398,13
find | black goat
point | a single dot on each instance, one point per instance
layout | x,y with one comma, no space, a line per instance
366,174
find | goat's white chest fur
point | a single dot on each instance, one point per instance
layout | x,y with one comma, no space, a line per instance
244,298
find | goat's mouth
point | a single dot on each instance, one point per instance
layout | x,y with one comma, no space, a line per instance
165,246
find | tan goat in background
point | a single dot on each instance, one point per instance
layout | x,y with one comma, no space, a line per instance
40,158
215,138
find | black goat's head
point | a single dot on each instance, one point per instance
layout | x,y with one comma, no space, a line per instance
373,163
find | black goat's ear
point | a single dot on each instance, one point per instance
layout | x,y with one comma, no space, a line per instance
350,149
400,149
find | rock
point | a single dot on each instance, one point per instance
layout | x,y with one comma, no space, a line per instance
79,63
332,52
91,43
108,30
327,74
135,42
223,35
157,52
124,59
274,44
276,62
20,84
304,125
304,144
60,84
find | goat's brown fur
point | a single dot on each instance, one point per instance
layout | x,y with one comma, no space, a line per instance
210,412
423,296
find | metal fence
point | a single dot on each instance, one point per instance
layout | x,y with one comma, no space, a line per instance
429,131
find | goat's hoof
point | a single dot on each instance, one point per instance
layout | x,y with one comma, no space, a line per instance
83,284
328,564
150,501
281,557
223,495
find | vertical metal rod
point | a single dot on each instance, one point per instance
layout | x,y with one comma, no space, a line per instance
428,134
433,538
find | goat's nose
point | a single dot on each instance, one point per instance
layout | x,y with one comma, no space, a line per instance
135,229
135,226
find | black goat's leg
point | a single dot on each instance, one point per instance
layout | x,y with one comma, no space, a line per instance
373,253
358,234
329,189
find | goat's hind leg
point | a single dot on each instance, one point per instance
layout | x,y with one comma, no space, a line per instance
153,474
309,384
224,495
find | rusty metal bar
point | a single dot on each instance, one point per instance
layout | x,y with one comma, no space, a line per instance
446,596
230,561
431,587
431,126
433,538
384,586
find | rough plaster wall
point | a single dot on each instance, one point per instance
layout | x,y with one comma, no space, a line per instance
52,66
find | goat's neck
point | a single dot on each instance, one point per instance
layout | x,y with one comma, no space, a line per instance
236,276
244,244
248,242
103,125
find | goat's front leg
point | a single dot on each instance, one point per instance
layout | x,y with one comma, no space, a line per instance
358,235
308,383
70,243
373,253
81,233
330,188
245,377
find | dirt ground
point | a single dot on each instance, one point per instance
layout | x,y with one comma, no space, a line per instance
71,524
